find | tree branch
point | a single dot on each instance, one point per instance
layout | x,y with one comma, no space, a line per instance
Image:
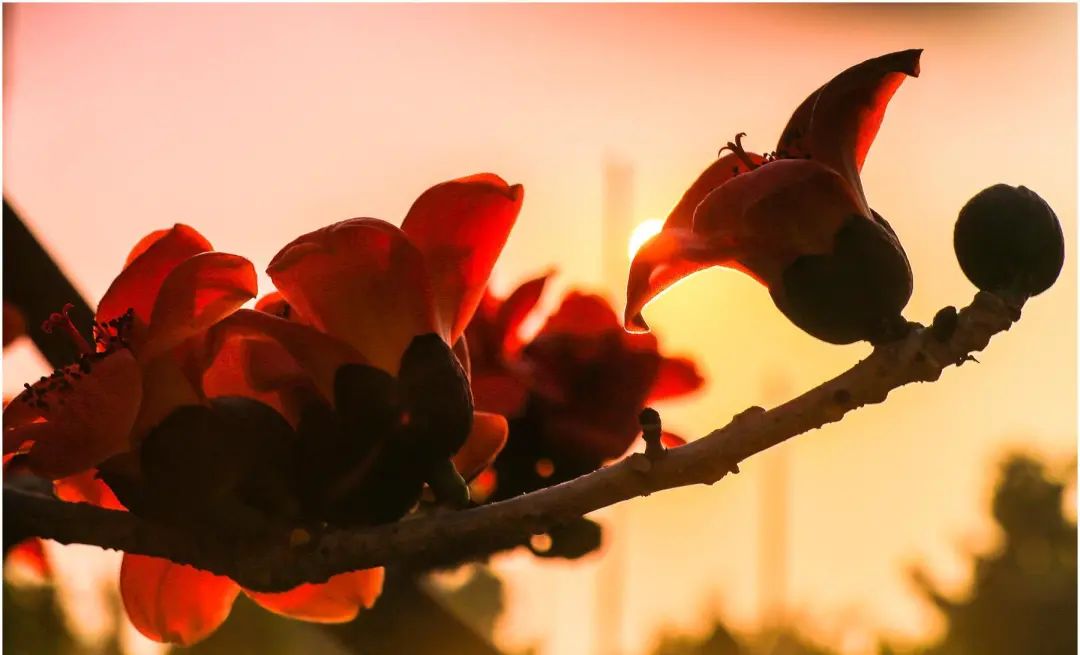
420,541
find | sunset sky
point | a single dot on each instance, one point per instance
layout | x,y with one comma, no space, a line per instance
257,123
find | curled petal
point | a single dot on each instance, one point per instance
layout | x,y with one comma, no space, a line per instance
336,601
837,123
72,428
174,603
148,265
362,281
461,227
757,223
662,261
485,440
317,354
677,376
199,292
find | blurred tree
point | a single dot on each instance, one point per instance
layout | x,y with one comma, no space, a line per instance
252,630
479,601
721,641
1023,597
35,625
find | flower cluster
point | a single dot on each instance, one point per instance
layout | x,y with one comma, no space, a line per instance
335,402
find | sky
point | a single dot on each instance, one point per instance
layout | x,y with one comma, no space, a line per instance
256,123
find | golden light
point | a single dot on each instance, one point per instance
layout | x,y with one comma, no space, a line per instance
645,230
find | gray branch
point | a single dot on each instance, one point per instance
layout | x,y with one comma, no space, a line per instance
446,536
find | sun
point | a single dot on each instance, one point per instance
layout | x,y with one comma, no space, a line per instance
644,231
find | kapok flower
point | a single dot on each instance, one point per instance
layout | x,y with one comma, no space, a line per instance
147,365
573,392
173,287
796,219
360,352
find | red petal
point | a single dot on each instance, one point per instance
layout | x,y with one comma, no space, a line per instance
149,264
361,281
498,392
671,440
199,292
274,303
80,427
166,386
662,261
719,172
515,309
336,601
461,227
86,487
582,314
758,223
837,123
317,354
677,376
174,603
30,556
485,440
676,252
253,369
776,213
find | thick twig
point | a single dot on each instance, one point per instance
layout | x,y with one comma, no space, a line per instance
921,356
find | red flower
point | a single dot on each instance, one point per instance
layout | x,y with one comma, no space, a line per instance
173,287
796,219
148,364
358,302
573,392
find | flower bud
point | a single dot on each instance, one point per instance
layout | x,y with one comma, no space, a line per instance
1008,239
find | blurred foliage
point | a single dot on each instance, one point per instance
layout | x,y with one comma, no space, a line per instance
1023,595
721,641
479,601
34,625
1023,598
252,630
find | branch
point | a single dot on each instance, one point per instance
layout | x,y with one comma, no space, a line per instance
421,541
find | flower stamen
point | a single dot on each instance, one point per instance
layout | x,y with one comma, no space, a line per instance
63,321
114,333
109,336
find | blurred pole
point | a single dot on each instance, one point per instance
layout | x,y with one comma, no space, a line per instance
618,222
773,537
